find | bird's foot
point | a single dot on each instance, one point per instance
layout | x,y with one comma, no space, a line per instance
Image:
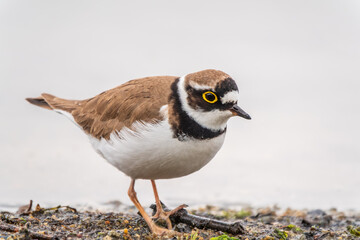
161,213
165,215
159,231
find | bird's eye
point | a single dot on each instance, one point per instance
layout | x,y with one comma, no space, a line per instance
210,97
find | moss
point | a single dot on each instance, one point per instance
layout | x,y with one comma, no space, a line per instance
280,234
226,214
230,214
224,237
290,226
293,228
194,235
243,214
354,231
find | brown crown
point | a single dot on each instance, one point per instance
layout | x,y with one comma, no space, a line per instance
209,77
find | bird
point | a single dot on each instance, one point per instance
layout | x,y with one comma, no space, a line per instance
158,127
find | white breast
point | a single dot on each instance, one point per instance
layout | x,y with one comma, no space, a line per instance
151,152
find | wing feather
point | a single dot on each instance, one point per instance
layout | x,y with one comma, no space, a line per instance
136,100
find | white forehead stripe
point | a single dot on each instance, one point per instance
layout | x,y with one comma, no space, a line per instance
197,86
232,96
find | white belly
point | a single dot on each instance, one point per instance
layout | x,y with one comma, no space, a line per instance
152,153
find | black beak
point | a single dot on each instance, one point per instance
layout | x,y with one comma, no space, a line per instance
237,111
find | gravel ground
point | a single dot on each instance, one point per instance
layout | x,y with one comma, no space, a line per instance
269,223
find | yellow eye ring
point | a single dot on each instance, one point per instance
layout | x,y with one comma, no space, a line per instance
213,97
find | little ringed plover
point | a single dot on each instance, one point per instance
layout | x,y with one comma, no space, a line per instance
156,127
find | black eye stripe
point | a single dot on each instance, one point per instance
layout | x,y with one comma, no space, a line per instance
225,86
196,97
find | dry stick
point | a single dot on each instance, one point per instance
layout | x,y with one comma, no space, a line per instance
12,228
30,206
41,210
182,216
58,207
25,209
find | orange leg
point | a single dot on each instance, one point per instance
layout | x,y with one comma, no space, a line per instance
153,227
160,213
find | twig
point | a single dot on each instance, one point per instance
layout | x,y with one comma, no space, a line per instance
25,209
30,206
58,207
182,216
11,228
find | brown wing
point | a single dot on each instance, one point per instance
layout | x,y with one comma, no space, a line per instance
136,100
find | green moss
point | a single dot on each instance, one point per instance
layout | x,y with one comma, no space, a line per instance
280,234
354,231
224,237
194,235
230,214
293,228
23,220
290,226
226,214
243,214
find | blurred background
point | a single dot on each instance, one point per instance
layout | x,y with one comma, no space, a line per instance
297,65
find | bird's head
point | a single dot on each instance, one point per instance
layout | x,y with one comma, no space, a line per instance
210,97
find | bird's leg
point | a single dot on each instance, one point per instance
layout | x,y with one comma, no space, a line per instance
153,227
160,213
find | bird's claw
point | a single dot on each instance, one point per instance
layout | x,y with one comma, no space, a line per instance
165,215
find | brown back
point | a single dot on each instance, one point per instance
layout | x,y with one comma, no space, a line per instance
136,100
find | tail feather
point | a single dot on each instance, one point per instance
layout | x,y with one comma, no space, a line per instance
51,102
40,102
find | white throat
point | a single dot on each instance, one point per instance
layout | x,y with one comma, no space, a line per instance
214,120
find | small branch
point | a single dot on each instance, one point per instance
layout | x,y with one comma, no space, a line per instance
25,209
58,207
30,206
182,216
39,209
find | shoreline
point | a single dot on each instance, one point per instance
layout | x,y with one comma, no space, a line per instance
65,222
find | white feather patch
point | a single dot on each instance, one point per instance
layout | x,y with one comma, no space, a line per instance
199,87
151,151
214,120
232,96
